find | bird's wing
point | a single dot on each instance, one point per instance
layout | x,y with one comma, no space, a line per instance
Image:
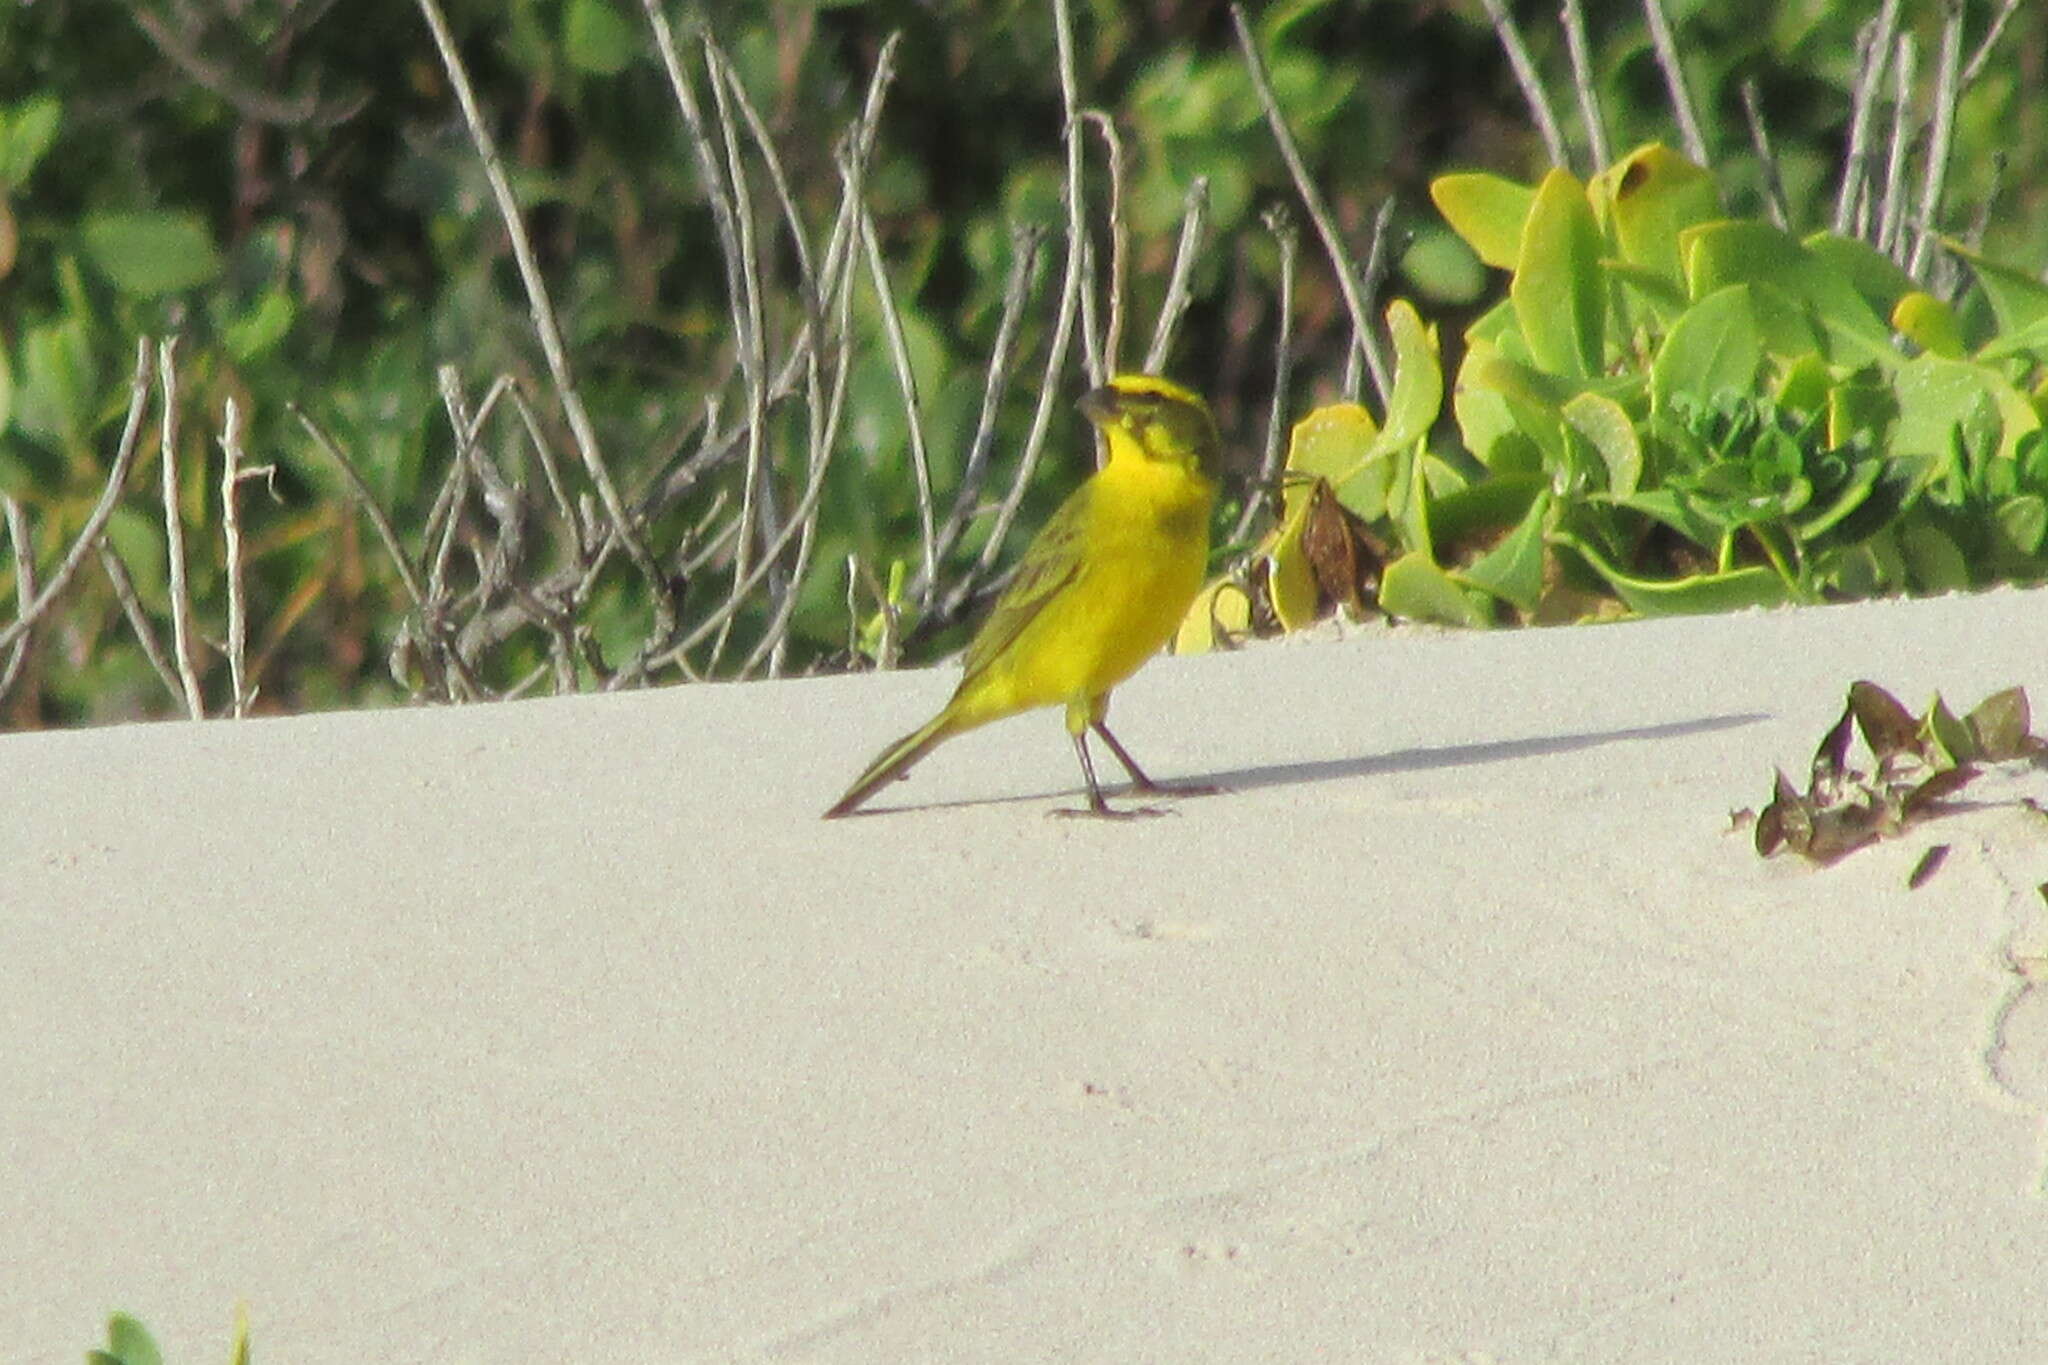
1050,563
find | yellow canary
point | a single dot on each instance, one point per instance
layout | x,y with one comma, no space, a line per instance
1098,591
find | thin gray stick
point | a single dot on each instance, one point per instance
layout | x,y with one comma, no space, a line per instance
378,521
1982,55
1891,208
138,621
1025,243
231,477
1080,252
906,383
1378,262
1311,197
1874,51
750,318
1674,81
1760,137
1940,138
1526,77
1119,243
96,521
565,508
25,593
1574,20
545,326
1287,237
174,530
1194,228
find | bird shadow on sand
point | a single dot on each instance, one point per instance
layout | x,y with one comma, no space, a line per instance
1378,765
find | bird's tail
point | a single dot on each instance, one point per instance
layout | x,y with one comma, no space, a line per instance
896,760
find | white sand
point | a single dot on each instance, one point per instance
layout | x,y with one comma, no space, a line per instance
1461,1030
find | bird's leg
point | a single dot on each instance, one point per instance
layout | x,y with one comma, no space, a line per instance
1143,785
1096,805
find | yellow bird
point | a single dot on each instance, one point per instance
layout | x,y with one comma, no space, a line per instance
1098,591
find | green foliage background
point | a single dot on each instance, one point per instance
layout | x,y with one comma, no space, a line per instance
289,187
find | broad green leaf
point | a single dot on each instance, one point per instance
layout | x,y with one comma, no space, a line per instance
1852,496
1558,291
1732,590
1650,196
1513,569
2017,298
596,38
1928,323
262,327
1944,737
1933,560
1290,578
2031,339
1414,588
130,1342
1664,296
1936,395
2022,523
1443,267
1803,384
1608,428
1332,440
1860,407
1715,347
1487,211
1418,380
26,132
1490,506
147,254
54,402
1874,275
1745,251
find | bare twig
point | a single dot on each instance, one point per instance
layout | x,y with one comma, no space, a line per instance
24,589
1025,243
1573,19
138,621
1674,81
231,476
1119,243
1319,213
1080,257
378,521
546,328
1281,224
1982,55
906,381
1526,77
1891,208
1939,138
1874,51
96,522
1194,224
174,530
1774,184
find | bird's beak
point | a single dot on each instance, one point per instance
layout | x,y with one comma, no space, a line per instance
1100,406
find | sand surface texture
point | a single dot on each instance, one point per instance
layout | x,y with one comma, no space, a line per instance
1462,1029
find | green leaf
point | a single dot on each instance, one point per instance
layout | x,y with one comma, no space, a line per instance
1415,589
2031,339
54,403
26,132
1418,380
1487,211
1733,590
262,327
2016,297
1609,429
1932,558
1558,291
1715,347
596,38
1290,578
1651,195
2022,523
130,1342
148,254
1874,275
1744,251
1928,323
1513,569
1492,505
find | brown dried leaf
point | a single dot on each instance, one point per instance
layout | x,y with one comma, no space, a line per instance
1888,727
1341,552
1939,787
1833,753
1786,823
2000,724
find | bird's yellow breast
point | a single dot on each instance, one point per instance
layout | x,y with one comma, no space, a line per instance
1137,536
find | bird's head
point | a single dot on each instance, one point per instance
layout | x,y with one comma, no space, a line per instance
1155,419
